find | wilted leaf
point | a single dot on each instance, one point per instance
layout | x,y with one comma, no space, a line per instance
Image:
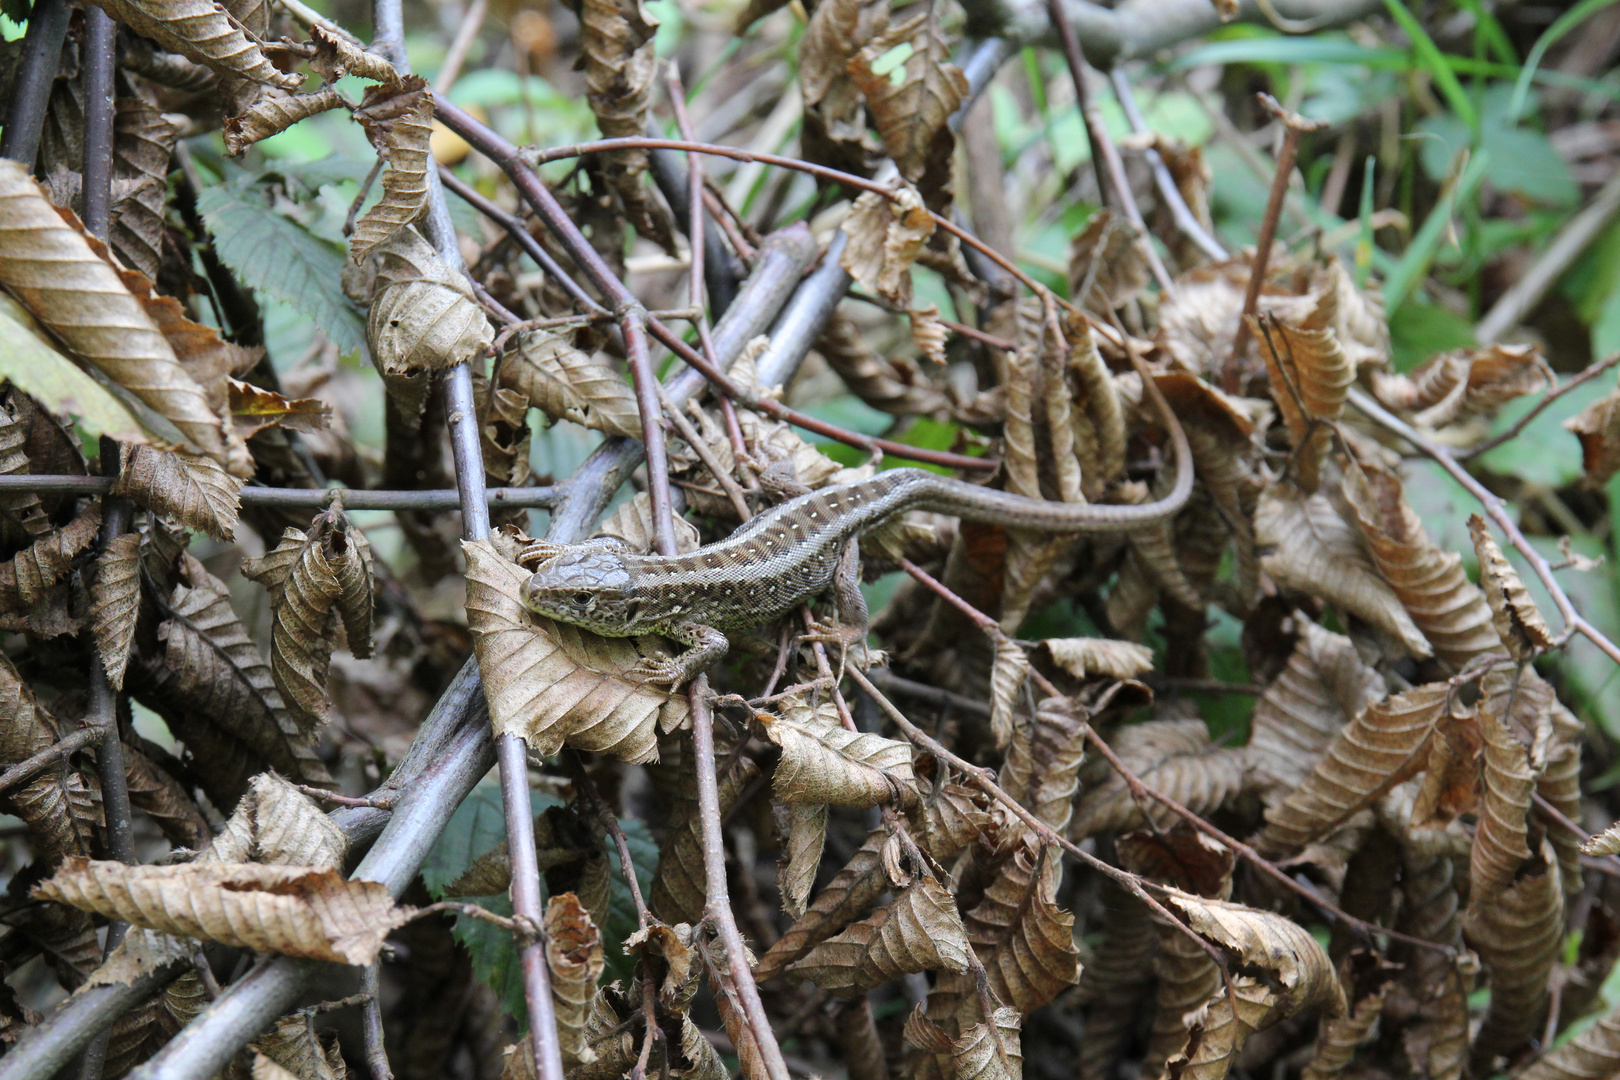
1106,268
1501,844
295,1047
616,46
885,238
574,957
1591,1055
278,825
56,806
397,118
1007,677
336,56
294,910
1086,657
920,931
824,762
679,890
980,1053
204,31
1598,429
28,577
1518,622
423,317
160,796
1456,386
633,523
1171,756
275,112
116,604
253,409
194,491
555,684
53,270
1315,551
567,384
852,891
835,110
141,952
1517,935
1024,938
806,834
1339,1036
912,104
1380,748
1309,379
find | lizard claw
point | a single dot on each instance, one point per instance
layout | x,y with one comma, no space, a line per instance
536,552
656,671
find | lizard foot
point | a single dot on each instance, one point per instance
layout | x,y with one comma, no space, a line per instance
656,671
851,642
536,552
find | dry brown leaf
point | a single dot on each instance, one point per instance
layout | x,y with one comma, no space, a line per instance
834,108
424,317
1517,935
980,1053
203,31
1457,386
1592,1055
955,816
143,143
141,952
1106,268
555,684
22,506
303,589
892,385
1313,550
1430,583
1518,622
28,578
192,490
294,1046
1025,940
632,522
115,604
1339,1036
617,55
1380,748
1598,428
58,807
157,794
1007,677
853,890
824,762
679,890
1042,767
885,237
336,56
920,931
278,825
53,269
912,104
253,409
1173,757
1310,377
1086,657
1324,687
575,960
566,383
275,112
927,333
298,911
397,118
1501,843
804,837
1606,842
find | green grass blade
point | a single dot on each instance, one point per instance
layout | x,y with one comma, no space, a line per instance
1561,26
1414,263
1435,61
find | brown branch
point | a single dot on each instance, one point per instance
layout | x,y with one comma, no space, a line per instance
610,821
1552,395
371,986
29,768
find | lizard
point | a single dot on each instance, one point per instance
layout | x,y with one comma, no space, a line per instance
790,553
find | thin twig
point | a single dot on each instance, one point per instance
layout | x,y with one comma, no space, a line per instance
1552,395
472,20
376,1048
304,498
26,770
1104,154
373,802
1295,127
717,908
1608,864
610,821
1185,219
933,695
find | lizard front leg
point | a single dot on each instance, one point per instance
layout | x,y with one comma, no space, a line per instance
707,645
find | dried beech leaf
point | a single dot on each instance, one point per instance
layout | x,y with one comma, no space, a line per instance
617,55
1310,377
566,383
894,386
24,506
1024,939
115,604
1042,767
1006,687
1377,750
193,491
160,796
927,333
1106,268
204,31
980,1053
275,112
1519,623
1430,583
574,957
679,889
298,911
1457,386
1501,844
824,762
1606,842
304,589
913,104
141,952
1085,657
632,522
1517,936
851,892
1592,1055
143,143
336,56
885,238
397,118
28,577
1171,756
1324,687
1315,551
1339,1036
56,806
555,684
424,317
1598,428
278,825
806,835
53,269
834,109
920,931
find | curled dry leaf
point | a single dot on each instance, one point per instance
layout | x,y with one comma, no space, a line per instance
893,385
1457,386
1377,750
115,604
1519,624
204,31
928,333
617,54
1007,677
299,911
278,825
54,271
1591,1055
851,892
304,588
189,489
29,577
160,796
679,890
1517,935
824,762
1501,843
632,522
275,112
294,1046
1042,767
1324,687
1598,428
424,317
58,807
142,952
566,383
981,1052
805,836
1310,377
1606,842
1086,657
575,960
22,506
885,237
920,931
1106,268
1025,940
1430,583
337,56
912,104
1173,757
1313,550
398,119
1339,1036
554,684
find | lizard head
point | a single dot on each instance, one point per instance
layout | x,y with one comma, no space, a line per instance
589,588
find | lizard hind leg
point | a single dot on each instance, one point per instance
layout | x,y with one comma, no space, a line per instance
849,633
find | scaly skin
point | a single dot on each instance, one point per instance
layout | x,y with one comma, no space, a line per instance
788,554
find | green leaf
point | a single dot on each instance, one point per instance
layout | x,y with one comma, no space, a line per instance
1543,454
36,368
271,252
1566,22
1523,161
1413,267
1418,330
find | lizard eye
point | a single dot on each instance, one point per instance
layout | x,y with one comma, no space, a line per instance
582,598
